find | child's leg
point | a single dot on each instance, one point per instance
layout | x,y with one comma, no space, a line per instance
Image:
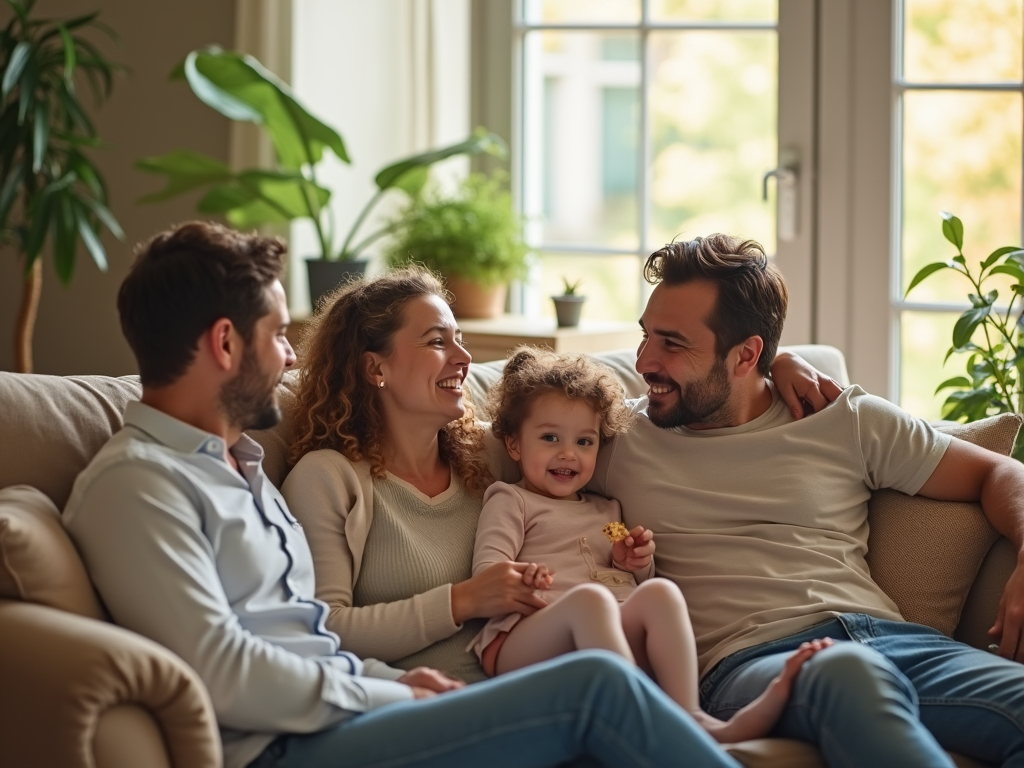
587,616
657,625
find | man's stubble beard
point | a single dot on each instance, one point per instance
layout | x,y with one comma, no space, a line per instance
249,399
705,401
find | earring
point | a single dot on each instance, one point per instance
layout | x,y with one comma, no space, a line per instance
380,384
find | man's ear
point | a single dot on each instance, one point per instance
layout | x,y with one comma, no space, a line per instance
748,353
512,446
225,344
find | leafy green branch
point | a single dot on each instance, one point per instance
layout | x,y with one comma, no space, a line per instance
995,367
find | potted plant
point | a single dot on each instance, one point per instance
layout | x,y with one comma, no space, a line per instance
995,358
240,88
50,191
473,237
569,305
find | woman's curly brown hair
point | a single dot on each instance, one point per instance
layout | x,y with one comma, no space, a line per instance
532,372
336,407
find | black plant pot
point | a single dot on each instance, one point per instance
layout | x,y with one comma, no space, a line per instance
325,276
567,309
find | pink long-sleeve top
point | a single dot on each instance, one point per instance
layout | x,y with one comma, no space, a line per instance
563,534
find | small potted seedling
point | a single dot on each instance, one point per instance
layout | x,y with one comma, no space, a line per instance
569,305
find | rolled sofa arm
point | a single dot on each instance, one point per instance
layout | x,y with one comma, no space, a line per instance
66,680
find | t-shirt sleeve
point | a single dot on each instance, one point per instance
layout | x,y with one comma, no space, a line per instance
899,450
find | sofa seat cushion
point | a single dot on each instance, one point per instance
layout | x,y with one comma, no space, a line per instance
38,562
930,580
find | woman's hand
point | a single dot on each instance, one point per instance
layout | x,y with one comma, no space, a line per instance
495,591
426,682
803,387
634,552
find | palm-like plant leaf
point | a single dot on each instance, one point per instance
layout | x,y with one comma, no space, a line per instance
48,188
240,88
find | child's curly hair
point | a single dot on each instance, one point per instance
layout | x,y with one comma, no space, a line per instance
532,372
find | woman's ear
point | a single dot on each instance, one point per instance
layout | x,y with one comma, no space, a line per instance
512,446
372,368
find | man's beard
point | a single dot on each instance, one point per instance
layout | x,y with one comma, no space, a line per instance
248,400
699,402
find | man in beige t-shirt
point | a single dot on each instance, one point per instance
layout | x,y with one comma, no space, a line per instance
761,519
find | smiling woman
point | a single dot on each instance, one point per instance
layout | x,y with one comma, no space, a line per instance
390,470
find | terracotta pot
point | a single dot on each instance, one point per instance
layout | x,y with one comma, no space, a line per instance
473,300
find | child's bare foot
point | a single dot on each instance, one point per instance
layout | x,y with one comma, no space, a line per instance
759,716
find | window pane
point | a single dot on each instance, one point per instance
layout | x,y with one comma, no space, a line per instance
713,122
610,283
581,138
924,339
714,10
950,41
961,153
581,11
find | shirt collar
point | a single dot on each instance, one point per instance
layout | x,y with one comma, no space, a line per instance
183,437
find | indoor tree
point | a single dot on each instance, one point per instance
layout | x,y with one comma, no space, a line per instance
50,191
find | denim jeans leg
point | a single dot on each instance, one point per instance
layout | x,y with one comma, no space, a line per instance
589,704
849,701
973,701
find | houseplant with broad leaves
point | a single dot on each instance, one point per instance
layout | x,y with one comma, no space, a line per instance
240,88
989,334
50,190
472,236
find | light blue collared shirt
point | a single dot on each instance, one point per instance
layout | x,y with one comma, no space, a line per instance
211,564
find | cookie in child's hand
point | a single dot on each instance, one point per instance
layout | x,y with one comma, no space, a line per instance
615,532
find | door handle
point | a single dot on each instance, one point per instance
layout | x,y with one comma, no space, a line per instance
787,177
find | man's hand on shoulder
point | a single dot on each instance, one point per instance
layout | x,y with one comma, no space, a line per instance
801,386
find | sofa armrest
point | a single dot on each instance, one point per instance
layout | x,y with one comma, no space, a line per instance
982,602
63,674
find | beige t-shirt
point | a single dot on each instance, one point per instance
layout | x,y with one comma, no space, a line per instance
764,526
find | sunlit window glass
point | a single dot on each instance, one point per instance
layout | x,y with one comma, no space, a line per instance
959,81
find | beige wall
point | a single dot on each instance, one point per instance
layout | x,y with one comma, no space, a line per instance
77,330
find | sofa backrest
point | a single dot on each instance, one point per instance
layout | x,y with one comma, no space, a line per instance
51,426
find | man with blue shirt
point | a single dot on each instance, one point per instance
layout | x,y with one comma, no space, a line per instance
761,519
189,544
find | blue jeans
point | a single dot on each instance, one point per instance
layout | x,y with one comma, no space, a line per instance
894,694
586,709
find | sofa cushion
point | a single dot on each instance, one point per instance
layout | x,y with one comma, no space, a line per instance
38,562
929,581
52,426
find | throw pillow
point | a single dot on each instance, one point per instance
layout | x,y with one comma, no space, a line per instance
925,554
38,562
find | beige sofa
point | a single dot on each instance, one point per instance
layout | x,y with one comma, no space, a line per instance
78,691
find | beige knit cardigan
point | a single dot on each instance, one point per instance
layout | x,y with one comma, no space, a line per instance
332,498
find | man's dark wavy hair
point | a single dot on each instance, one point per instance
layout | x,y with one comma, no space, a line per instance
183,281
752,295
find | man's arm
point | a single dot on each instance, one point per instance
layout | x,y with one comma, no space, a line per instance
142,540
969,473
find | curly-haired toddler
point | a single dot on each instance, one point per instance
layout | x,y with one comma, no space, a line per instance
553,412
